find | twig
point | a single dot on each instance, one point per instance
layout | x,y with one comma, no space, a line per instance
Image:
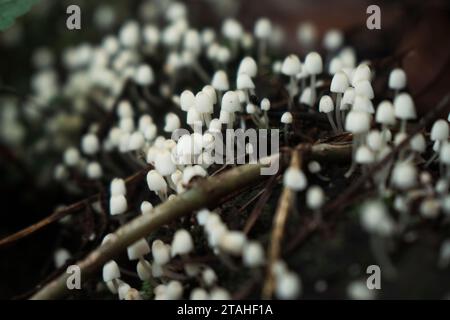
281,216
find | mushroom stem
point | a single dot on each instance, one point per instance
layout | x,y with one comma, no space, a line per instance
203,75
338,112
262,48
149,270
403,126
330,119
313,89
207,118
355,144
286,133
292,84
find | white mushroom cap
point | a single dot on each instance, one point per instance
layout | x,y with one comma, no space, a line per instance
94,170
211,92
313,63
291,66
230,102
306,34
364,104
263,29
315,197
288,286
250,108
233,242
375,218
244,82
144,75
326,104
295,179
111,271
71,157
232,29
286,118
160,252
182,243
404,107
215,126
203,103
339,83
164,164
404,175
444,154
138,249
172,122
199,294
440,130
209,277
190,172
192,42
144,269
218,293
90,144
193,117
418,143
335,65
118,187
357,122
364,155
248,65
362,72
306,97
187,100
174,290
333,39
253,255
397,79
385,113
364,88
156,182
375,140
314,167
220,81
265,104
348,57
136,141
151,35
117,204
129,34
146,207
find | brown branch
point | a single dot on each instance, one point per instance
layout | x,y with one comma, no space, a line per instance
279,222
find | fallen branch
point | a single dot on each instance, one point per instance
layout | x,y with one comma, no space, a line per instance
281,215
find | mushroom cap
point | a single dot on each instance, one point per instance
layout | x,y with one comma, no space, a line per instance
182,243
295,179
172,122
232,29
364,155
244,81
404,107
306,97
248,65
397,79
220,81
291,65
313,63
444,154
111,271
348,98
265,104
253,254
117,187
315,197
230,102
335,66
326,104
263,28
233,242
187,100
364,88
117,205
440,130
160,252
138,249
155,181
204,103
286,118
364,104
192,41
90,144
339,83
164,164
144,75
385,113
362,72
333,39
418,143
136,141
404,175
357,122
